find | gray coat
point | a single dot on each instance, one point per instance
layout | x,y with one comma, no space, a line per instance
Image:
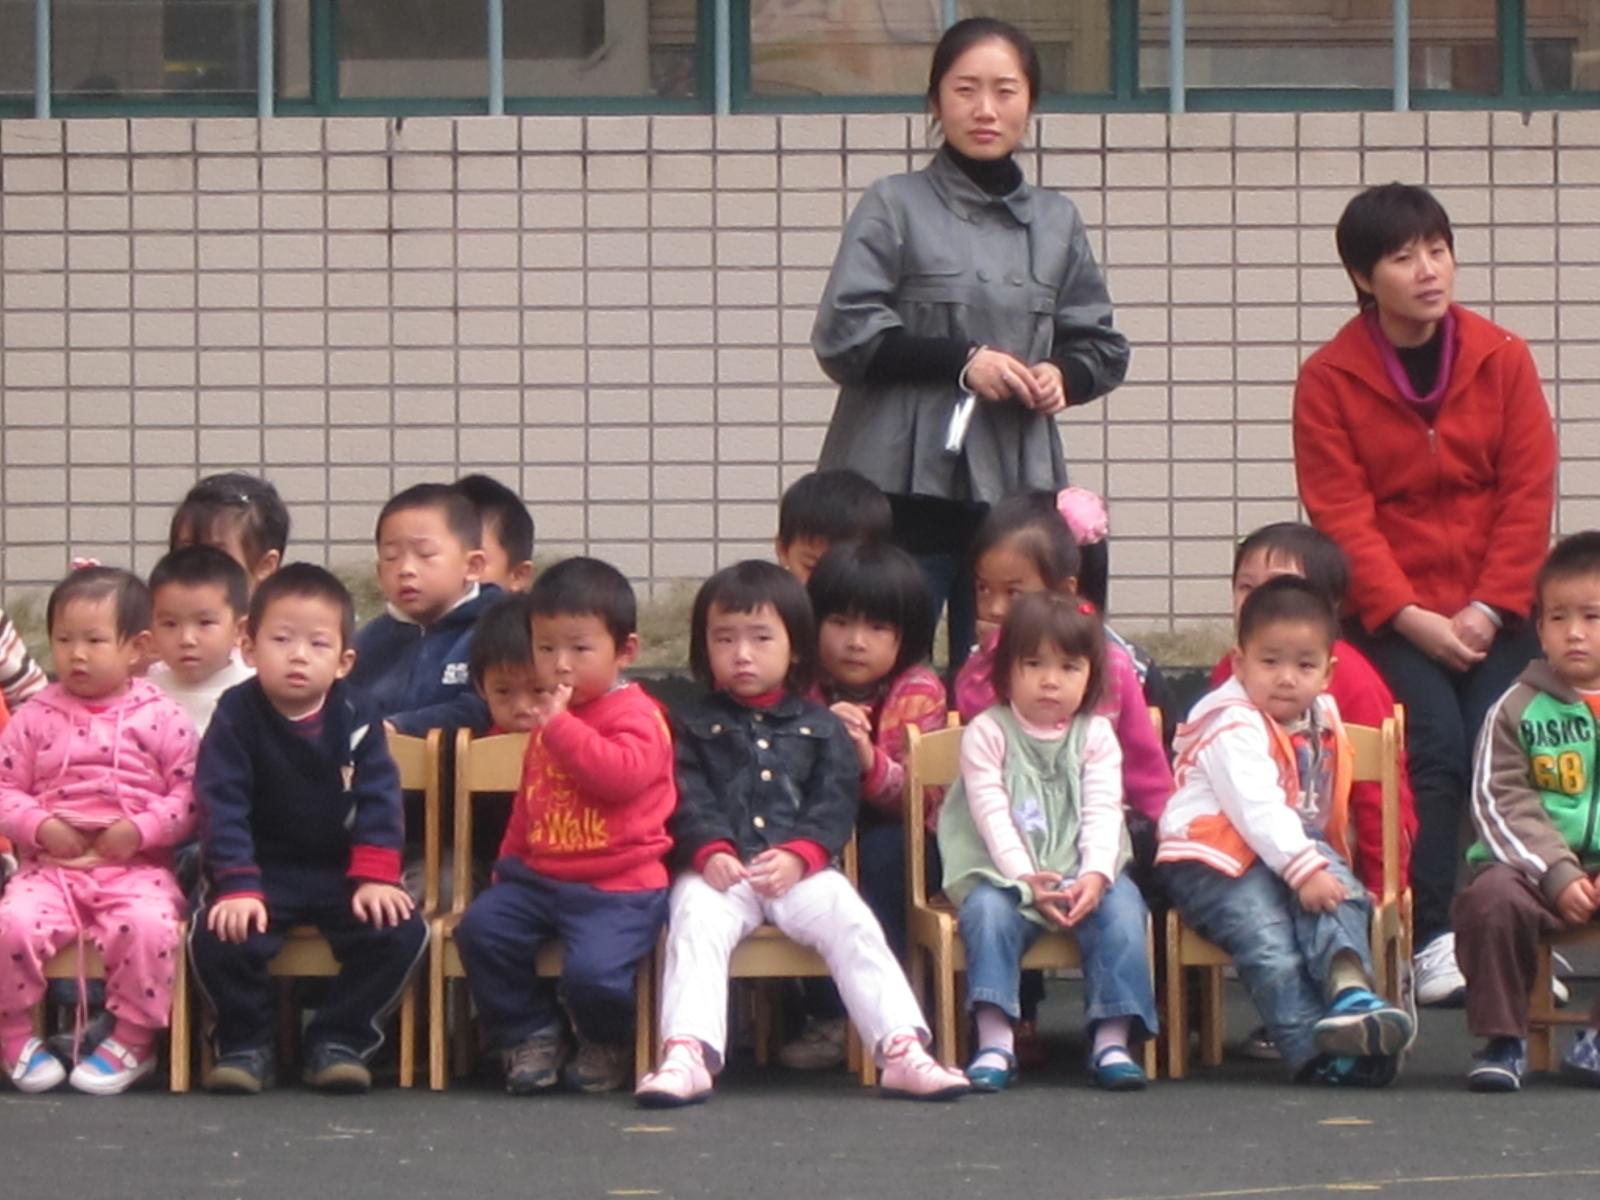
931,251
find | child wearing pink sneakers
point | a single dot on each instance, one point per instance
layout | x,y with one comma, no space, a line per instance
768,785
96,788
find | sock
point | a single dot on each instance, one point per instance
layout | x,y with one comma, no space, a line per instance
1346,972
138,1040
1111,1039
995,1032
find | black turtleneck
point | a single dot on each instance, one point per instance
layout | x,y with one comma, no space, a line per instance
903,358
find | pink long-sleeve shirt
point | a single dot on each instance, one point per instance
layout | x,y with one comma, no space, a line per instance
94,764
983,760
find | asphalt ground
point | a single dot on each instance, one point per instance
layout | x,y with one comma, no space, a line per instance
1238,1130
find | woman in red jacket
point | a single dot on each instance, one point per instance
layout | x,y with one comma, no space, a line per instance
1424,447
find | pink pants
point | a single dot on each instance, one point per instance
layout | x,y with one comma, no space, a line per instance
129,913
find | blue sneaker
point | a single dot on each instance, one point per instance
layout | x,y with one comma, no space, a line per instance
1122,1075
1373,1071
1582,1060
1499,1066
992,1079
1361,1025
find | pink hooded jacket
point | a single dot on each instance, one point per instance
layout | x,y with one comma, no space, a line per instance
133,758
1146,774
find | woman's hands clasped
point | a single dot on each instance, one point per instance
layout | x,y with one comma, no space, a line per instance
995,375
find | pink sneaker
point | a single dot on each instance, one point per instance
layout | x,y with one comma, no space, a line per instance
910,1073
112,1069
681,1079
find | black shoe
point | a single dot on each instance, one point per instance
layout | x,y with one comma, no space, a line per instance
243,1072
330,1067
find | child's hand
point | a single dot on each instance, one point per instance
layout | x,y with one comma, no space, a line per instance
1321,893
773,872
548,704
858,725
118,842
1083,895
1047,895
1578,901
60,840
382,904
232,920
723,870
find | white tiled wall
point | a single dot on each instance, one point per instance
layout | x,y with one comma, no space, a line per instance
614,313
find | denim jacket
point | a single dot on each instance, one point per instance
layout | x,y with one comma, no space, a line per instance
931,252
761,777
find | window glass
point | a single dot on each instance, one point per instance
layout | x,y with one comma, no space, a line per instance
601,48
201,50
1272,43
16,48
1563,48
432,48
1073,40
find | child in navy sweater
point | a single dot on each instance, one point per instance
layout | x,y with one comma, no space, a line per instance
300,805
412,662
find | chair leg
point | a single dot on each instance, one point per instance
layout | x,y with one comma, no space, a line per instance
463,1031
644,1017
288,1023
869,1061
438,1068
178,1041
1211,1017
1541,1050
763,1018
944,1005
408,1036
1177,1003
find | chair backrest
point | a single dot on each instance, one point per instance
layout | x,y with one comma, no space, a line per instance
483,764
1377,760
933,760
417,759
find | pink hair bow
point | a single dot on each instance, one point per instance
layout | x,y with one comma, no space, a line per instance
1085,514
83,564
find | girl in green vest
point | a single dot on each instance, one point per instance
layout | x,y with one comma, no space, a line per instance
1032,837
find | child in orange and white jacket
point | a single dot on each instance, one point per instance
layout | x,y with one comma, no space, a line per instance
1253,847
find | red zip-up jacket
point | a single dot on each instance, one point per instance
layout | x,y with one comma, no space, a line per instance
1435,515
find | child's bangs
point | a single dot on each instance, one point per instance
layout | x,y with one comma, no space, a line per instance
1051,619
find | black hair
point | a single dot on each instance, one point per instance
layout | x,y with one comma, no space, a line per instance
1381,220
837,506
459,513
1571,557
309,581
1287,598
1031,522
94,584
582,587
197,566
502,510
248,504
1069,624
743,588
964,35
1320,561
502,637
880,582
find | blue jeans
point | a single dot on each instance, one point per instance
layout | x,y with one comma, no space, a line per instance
1116,966
1282,952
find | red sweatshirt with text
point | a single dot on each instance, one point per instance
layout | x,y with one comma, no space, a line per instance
597,788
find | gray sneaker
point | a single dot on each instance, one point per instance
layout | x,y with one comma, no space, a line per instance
243,1072
598,1067
330,1067
535,1064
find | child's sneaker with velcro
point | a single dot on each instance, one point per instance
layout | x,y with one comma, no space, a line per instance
112,1069
1499,1066
1582,1059
36,1069
1360,1024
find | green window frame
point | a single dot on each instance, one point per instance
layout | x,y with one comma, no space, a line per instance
1125,95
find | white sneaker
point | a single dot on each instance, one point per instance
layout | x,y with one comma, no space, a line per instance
1559,966
819,1046
112,1069
1439,981
36,1069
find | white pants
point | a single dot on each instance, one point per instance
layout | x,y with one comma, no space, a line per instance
823,912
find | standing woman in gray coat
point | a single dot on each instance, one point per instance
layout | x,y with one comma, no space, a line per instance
958,279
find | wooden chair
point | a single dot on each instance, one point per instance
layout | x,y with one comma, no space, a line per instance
933,939
1377,759
306,953
767,954
491,764
1545,1017
65,965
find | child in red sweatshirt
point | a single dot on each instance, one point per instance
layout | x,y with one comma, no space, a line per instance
583,855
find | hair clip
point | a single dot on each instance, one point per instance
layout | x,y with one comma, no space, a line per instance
1087,609
84,563
1085,515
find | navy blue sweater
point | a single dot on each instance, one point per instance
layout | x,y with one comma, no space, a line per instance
416,676
271,797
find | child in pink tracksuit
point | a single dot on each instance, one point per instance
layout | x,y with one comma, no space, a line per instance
96,778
